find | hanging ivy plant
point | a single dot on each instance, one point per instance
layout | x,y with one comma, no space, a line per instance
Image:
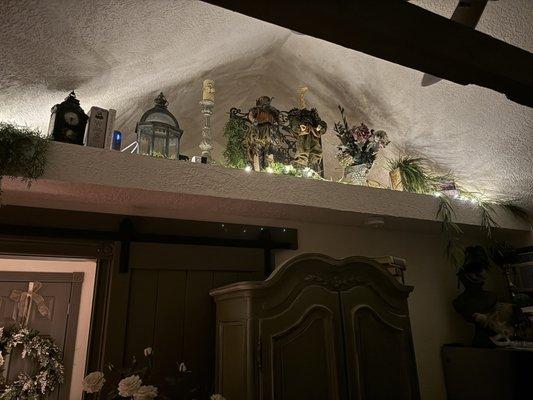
22,152
235,133
417,179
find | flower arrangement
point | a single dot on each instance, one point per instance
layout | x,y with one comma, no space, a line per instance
359,144
131,383
40,348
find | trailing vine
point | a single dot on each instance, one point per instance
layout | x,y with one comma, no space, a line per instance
417,179
235,133
22,153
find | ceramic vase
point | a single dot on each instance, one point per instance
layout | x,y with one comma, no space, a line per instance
356,174
396,179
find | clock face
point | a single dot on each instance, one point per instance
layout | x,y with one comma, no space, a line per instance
71,118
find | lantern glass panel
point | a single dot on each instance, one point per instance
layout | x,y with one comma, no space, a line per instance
173,147
145,142
160,142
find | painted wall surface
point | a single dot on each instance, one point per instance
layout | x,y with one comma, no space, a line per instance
86,301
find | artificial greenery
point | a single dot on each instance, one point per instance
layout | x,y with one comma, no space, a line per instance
287,169
416,178
49,373
235,133
22,152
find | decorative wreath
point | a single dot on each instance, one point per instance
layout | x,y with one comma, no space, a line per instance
44,351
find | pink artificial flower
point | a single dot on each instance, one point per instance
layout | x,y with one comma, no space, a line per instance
361,133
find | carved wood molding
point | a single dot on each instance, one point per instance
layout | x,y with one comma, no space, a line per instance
339,282
344,282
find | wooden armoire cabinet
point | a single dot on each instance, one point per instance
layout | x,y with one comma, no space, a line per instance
316,329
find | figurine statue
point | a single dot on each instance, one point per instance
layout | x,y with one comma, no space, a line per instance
264,120
495,322
307,127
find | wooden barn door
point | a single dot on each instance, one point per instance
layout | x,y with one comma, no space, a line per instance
170,310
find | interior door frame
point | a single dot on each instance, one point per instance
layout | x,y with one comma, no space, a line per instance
105,255
76,281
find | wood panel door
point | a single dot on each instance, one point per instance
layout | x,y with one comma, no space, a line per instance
379,351
170,309
61,293
301,349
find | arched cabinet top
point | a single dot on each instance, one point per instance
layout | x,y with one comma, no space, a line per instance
320,270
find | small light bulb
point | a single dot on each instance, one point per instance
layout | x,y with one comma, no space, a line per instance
248,168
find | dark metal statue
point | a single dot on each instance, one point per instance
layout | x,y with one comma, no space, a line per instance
495,323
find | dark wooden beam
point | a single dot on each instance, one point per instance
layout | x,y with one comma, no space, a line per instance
405,34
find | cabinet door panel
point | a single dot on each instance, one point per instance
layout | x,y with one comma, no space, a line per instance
302,349
379,351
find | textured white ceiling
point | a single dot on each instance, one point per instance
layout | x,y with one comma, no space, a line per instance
121,54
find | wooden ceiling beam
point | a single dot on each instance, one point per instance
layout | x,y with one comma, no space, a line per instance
400,32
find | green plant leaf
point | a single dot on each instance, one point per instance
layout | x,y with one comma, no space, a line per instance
235,152
22,152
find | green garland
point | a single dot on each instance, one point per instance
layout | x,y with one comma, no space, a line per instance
22,153
40,348
235,133
291,170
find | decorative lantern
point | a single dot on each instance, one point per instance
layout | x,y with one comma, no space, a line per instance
158,131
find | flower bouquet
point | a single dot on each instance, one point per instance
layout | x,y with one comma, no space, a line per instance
358,149
131,383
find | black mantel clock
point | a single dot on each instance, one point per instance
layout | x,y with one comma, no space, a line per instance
68,120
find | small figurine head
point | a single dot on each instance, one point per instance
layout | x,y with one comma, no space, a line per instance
263,101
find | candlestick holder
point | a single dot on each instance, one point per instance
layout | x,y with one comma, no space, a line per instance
205,144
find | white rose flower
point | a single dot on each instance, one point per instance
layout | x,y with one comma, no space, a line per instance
145,393
127,387
93,382
182,367
148,351
217,397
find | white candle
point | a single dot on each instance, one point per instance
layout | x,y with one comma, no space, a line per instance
209,90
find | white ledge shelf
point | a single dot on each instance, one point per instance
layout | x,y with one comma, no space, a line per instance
97,180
